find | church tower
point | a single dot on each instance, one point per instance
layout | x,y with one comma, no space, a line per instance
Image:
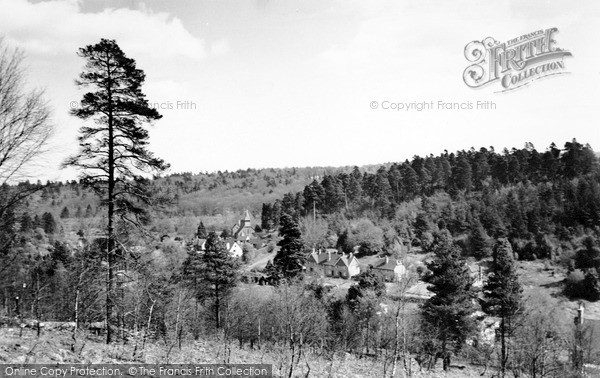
246,220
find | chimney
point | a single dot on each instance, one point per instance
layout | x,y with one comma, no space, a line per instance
350,256
387,260
328,255
313,250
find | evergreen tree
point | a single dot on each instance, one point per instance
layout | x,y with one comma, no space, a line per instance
65,213
61,253
113,149
26,222
588,257
48,223
37,222
462,174
201,232
212,275
447,315
503,294
290,257
410,182
89,212
265,217
480,241
225,233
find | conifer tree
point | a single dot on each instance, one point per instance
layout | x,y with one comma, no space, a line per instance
290,258
26,222
64,213
447,315
480,241
113,152
201,233
216,275
48,223
503,294
88,211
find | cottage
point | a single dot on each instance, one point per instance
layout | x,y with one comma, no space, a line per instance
391,270
233,248
332,264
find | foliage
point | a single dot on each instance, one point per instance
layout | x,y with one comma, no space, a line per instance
212,275
447,315
289,260
113,151
503,297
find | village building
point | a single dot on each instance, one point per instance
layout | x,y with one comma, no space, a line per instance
243,229
391,270
332,264
231,245
234,248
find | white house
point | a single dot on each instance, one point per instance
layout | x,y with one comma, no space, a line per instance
234,248
332,264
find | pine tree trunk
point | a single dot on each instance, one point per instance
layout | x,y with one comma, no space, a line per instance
217,305
110,287
503,348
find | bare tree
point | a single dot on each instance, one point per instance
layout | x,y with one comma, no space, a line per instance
24,116
24,130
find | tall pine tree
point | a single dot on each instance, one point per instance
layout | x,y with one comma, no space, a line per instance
113,152
212,275
290,257
503,294
447,315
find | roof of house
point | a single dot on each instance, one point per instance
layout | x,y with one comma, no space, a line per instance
346,259
387,264
334,258
331,258
318,257
230,241
419,291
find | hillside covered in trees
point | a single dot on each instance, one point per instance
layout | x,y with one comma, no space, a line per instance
476,205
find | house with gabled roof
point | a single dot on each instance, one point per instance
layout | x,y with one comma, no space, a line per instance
391,270
233,247
332,264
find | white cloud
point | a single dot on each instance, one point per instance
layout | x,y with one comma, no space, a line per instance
56,27
220,47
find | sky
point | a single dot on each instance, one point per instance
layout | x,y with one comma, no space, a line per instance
258,84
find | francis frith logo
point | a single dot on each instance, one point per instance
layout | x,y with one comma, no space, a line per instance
514,63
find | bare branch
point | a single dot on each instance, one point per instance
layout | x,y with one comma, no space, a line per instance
25,125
